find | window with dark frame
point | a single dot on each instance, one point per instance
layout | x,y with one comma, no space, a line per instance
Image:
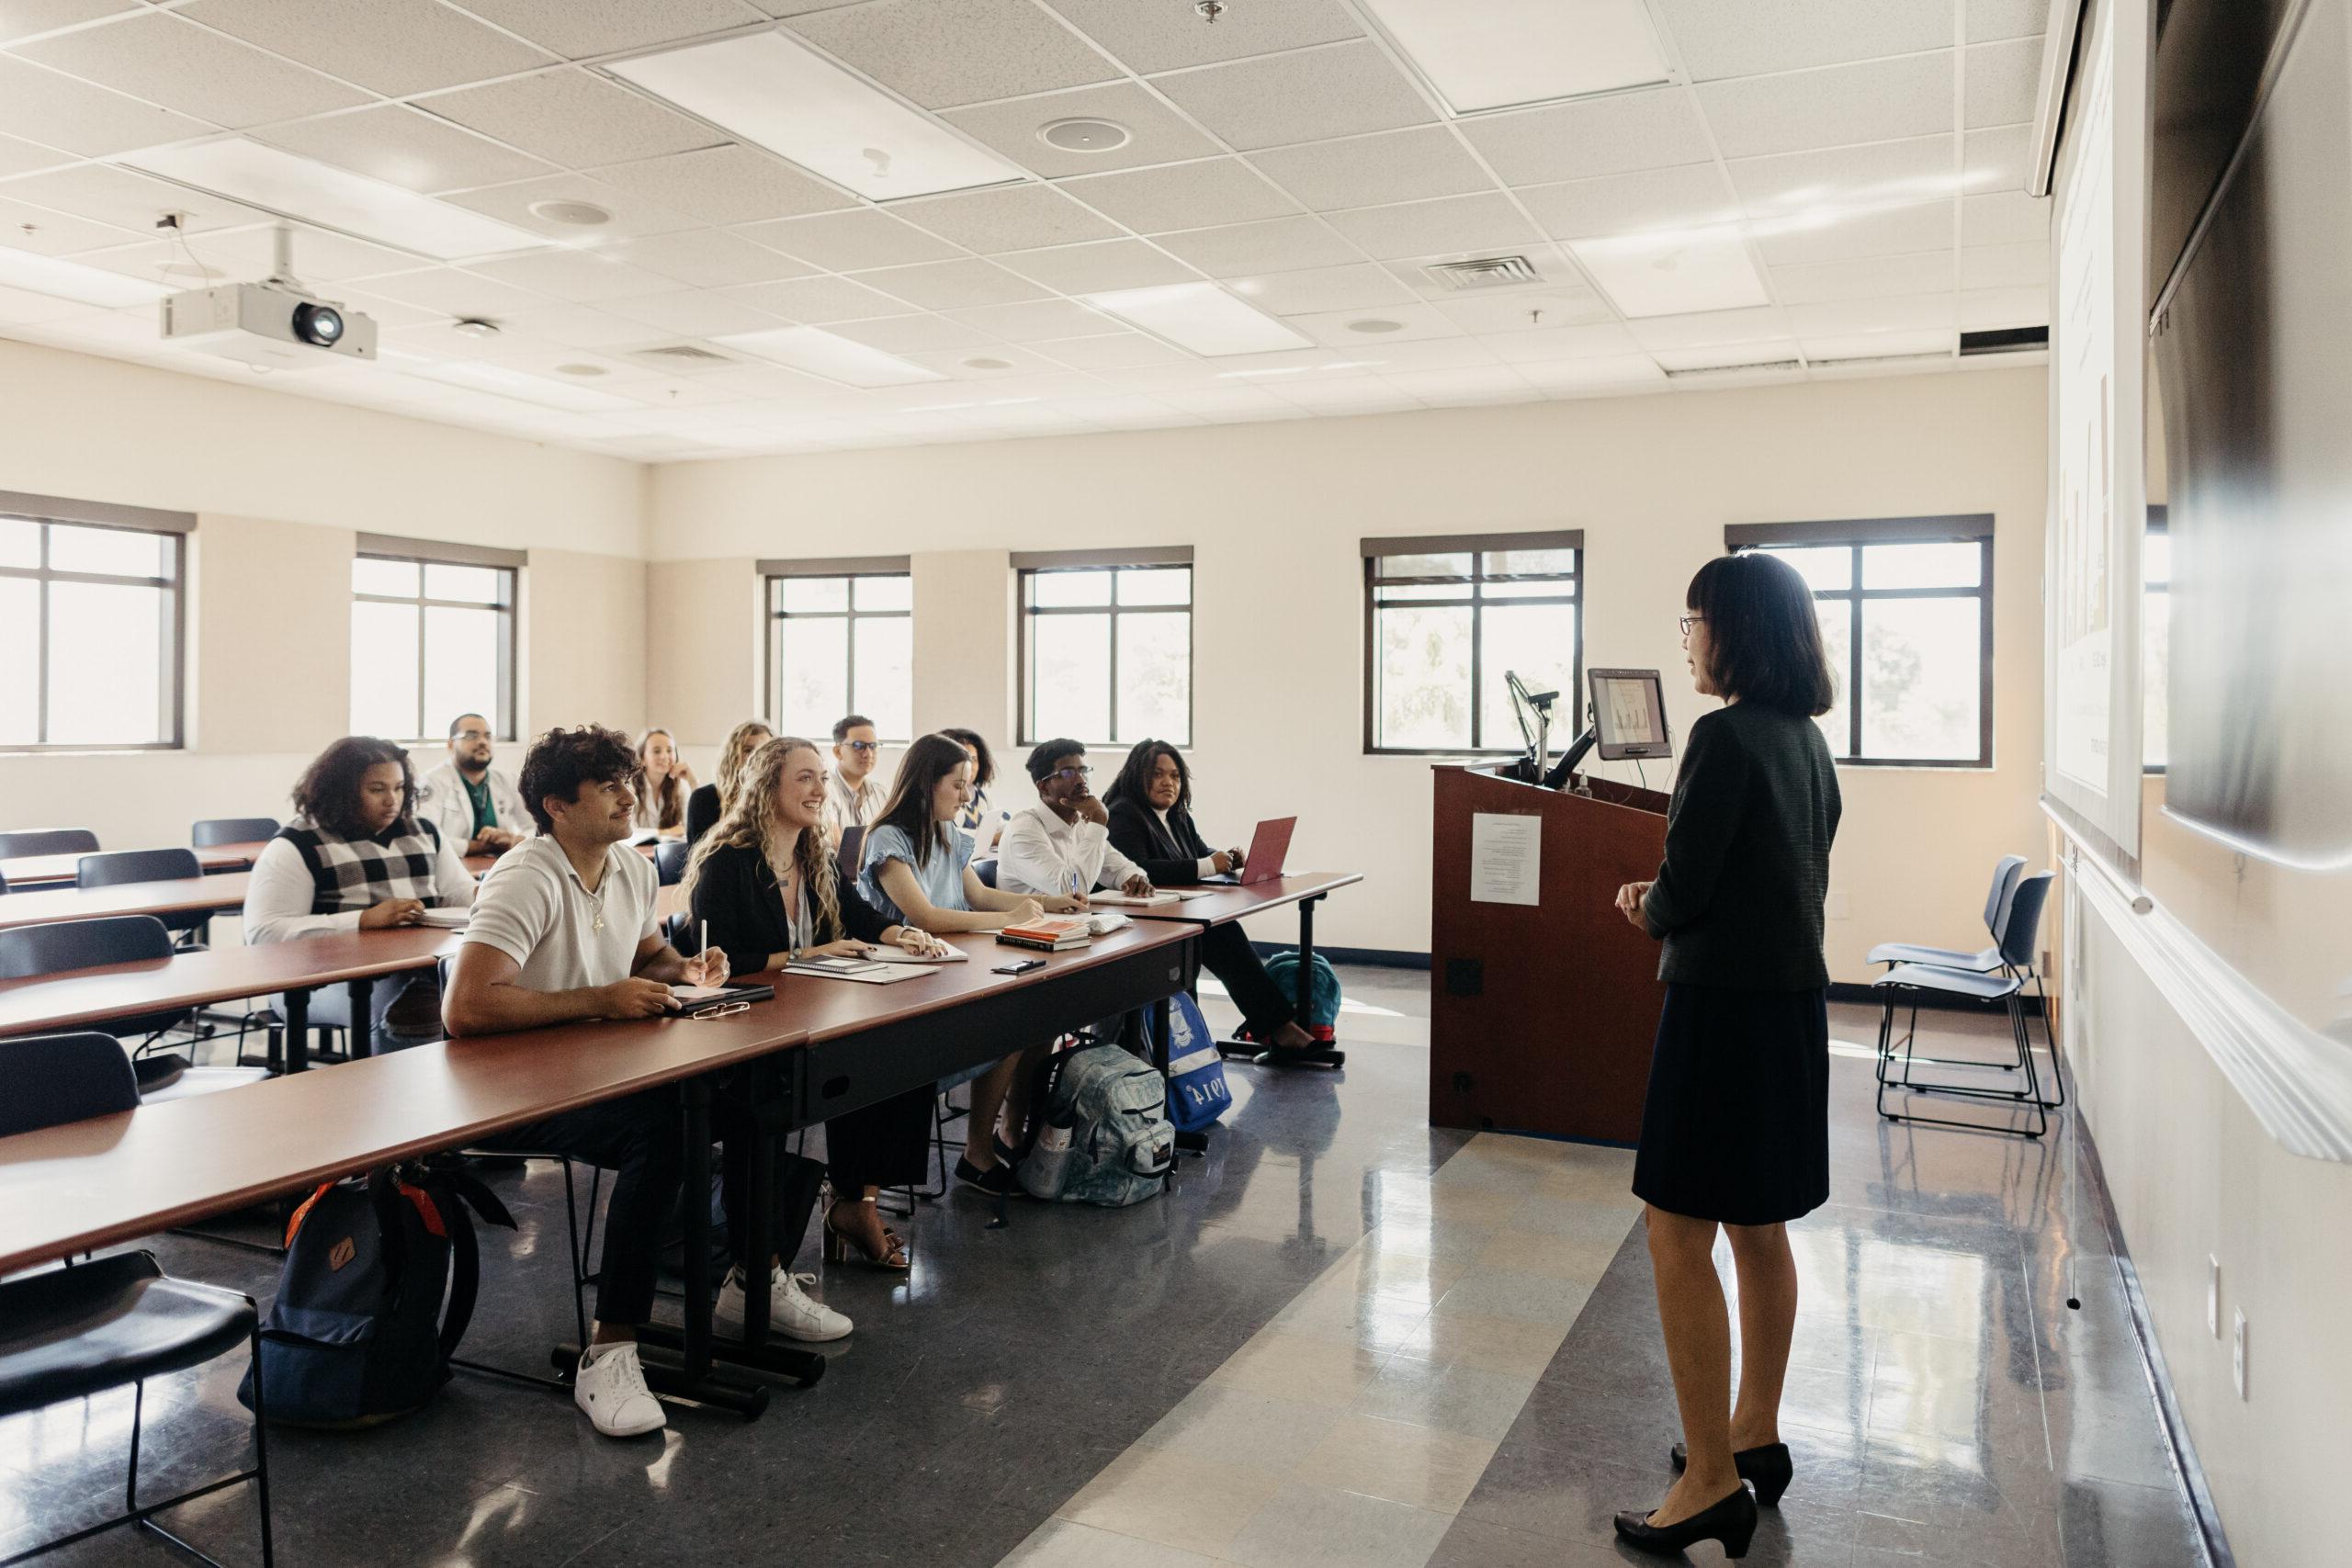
2155,639
840,640
1106,645
1907,618
1447,618
92,625
432,636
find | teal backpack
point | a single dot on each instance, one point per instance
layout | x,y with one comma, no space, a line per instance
1322,1019
1105,1137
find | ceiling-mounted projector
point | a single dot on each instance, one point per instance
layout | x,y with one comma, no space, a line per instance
275,324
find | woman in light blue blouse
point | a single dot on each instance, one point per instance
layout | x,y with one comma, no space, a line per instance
919,873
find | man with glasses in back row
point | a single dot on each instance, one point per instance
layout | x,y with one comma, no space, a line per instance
477,807
855,797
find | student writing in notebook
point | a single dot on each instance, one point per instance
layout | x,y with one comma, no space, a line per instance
765,883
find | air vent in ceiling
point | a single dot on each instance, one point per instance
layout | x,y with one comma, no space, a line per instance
683,353
1707,370
2006,340
1486,272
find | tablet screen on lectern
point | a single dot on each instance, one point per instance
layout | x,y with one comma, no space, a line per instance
1629,714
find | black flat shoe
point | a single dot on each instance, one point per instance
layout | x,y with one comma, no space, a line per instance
1769,1469
1731,1521
996,1180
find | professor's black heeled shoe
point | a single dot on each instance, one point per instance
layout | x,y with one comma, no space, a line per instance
1731,1521
1766,1468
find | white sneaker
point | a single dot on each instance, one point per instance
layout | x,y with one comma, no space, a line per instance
791,1313
610,1386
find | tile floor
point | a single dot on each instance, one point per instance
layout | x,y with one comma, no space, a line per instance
1346,1338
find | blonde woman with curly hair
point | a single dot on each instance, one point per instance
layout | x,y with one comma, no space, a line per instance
707,804
765,880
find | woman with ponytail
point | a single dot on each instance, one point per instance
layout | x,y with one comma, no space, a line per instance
765,880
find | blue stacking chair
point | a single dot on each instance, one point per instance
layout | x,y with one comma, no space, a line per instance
48,841
1984,961
147,865
2020,927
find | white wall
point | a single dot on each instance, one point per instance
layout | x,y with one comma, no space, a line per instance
1274,512
280,485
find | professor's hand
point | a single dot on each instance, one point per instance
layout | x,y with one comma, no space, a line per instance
1629,904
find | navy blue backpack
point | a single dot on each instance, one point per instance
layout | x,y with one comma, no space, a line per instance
1197,1094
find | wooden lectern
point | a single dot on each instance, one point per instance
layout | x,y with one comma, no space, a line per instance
1542,1015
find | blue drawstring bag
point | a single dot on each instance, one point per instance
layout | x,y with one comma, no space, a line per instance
1197,1094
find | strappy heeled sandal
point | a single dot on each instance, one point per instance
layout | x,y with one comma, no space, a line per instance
840,1244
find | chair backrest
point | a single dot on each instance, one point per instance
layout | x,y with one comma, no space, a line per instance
49,841
28,950
670,861
2020,930
4,883
136,866
986,871
850,855
2005,877
56,1078
232,831
682,932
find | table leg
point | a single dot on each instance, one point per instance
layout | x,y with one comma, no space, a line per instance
363,1021
297,1031
1312,1056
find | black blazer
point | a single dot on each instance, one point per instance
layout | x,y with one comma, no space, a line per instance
701,812
1171,856
737,893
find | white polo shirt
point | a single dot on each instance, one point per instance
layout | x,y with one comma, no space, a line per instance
533,908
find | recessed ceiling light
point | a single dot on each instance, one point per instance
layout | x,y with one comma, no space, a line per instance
1200,317
335,199
578,214
62,279
580,370
474,326
1502,53
821,353
1376,324
1084,134
985,364
767,88
1675,272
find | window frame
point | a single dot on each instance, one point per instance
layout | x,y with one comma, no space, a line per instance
849,569
1032,564
1858,535
423,553
1478,547
46,511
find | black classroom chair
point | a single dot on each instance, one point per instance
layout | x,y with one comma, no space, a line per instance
670,861
2020,928
215,831
124,866
82,1329
986,871
28,952
48,841
848,855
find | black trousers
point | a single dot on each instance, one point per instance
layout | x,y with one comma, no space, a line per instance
885,1145
642,1141
734,1102
1226,952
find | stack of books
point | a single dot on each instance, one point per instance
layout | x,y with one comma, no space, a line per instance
1049,933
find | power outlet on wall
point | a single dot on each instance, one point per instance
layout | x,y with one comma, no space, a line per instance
2212,1295
2237,1354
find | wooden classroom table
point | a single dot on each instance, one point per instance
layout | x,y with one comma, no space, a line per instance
60,871
1303,888
182,896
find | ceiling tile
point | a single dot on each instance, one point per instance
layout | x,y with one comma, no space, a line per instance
107,195
48,233
1551,344
1883,173
1011,217
1880,346
1926,272
1835,318
1746,38
1686,198
1280,100
1615,135
22,307
1526,309
1403,323
695,313
1100,267
941,286
18,156
913,335
1605,376
573,118
395,47
1156,134
158,57
1009,361
1997,159
1851,234
944,53
320,257
631,214
2005,217
577,326
447,291
584,277
708,258
1426,228
397,144
1198,195
1834,107
1362,171
2002,81
22,18
1113,351
1992,19
727,185
1036,320
817,301
1703,329
1277,244
2005,266
1772,351
1497,384
1357,286
1554,270
1129,413
851,240
58,111
577,29
1988,309
1164,38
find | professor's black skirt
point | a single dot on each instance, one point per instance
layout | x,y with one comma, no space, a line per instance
1736,1126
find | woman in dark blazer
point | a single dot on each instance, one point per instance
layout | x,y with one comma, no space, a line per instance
766,881
1736,1126
705,804
1151,806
